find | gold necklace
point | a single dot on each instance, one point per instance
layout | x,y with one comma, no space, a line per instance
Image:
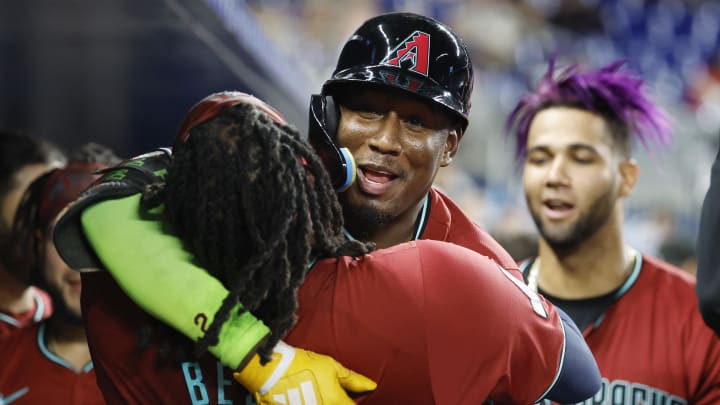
534,271
533,275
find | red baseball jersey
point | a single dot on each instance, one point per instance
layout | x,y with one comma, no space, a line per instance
42,309
431,322
651,344
441,219
31,374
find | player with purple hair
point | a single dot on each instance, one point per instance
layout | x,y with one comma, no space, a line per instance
639,316
604,91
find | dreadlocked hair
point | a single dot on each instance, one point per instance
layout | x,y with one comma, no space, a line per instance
251,200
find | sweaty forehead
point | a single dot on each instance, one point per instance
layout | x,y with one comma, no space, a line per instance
561,127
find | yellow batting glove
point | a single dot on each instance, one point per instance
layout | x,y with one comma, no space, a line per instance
301,377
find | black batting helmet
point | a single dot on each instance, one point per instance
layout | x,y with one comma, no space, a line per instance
410,52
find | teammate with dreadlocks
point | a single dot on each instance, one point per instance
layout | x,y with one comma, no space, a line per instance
22,159
202,317
253,250
49,362
402,299
574,134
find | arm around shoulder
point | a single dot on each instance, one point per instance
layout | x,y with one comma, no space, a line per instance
579,377
160,274
469,299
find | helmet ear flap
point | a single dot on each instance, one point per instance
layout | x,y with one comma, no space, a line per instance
332,115
322,133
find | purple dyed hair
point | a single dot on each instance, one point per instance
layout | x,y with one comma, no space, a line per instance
607,91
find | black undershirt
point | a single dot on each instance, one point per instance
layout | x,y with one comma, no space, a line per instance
584,312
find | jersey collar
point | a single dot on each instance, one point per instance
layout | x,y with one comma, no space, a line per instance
41,342
621,291
39,307
37,315
526,265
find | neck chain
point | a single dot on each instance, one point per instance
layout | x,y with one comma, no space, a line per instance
534,271
533,275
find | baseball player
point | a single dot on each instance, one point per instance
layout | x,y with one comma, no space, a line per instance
638,314
166,304
390,313
398,102
22,159
49,362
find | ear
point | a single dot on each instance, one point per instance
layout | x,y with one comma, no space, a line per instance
629,173
451,146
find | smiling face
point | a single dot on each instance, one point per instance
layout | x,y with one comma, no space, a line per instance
399,142
573,175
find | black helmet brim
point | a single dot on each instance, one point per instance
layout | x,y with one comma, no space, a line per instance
405,81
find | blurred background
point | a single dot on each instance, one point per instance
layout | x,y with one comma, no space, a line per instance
124,72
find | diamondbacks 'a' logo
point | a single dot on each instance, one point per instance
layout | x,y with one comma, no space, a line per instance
415,49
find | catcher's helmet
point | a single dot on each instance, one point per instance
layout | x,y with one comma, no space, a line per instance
406,51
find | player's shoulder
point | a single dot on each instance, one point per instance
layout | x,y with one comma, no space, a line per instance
17,338
427,249
661,281
442,248
445,210
463,230
448,257
667,283
666,275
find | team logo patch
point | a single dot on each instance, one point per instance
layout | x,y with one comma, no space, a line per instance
413,51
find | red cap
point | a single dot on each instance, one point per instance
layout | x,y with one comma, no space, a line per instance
214,104
63,186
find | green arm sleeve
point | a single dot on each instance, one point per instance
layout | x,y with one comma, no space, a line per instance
156,272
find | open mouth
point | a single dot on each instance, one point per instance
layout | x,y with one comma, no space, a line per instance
557,209
375,180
